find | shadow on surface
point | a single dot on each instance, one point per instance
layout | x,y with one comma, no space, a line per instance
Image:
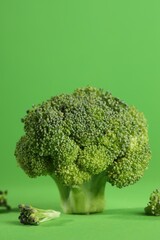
14,210
3,210
126,213
52,223
57,222
16,223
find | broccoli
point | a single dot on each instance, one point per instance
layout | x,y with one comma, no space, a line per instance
83,140
34,216
153,207
3,200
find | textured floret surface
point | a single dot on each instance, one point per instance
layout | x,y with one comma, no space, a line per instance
76,136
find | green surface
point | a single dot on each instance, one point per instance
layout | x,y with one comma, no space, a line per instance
49,47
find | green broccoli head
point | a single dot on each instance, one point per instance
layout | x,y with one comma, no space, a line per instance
34,216
153,206
79,136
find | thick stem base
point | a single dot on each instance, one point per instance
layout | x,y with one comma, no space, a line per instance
83,199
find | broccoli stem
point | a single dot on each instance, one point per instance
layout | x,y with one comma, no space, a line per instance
83,199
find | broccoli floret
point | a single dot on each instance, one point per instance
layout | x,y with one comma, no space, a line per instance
34,216
83,140
3,200
153,207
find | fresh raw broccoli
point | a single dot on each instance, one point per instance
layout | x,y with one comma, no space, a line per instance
34,216
3,200
153,207
84,140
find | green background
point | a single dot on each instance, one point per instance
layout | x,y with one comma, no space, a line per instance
48,47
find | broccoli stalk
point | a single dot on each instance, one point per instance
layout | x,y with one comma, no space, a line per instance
82,141
34,216
85,198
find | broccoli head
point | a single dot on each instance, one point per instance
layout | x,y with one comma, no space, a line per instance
34,216
3,200
83,140
153,206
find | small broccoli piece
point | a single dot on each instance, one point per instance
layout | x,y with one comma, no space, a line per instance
3,200
33,216
83,140
153,207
